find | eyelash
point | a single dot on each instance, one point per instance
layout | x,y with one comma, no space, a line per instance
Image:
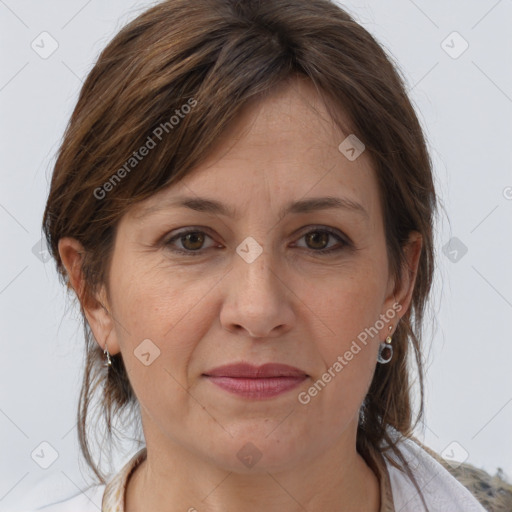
198,252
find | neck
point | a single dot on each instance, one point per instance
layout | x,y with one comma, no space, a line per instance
335,481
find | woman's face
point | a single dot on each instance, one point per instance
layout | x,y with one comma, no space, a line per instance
252,285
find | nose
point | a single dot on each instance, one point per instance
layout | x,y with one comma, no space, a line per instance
258,299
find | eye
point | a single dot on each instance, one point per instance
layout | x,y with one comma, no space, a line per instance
317,241
191,242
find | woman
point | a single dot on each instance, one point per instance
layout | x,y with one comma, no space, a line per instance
243,204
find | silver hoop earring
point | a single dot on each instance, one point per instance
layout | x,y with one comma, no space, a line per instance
385,350
108,362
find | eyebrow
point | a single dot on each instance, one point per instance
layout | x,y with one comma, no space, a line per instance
215,207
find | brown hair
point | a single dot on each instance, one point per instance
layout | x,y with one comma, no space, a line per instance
217,55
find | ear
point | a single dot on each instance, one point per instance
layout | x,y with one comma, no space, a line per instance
401,293
96,308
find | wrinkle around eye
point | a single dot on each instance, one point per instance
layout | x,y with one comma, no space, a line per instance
341,241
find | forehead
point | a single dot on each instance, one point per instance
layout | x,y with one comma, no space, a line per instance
282,148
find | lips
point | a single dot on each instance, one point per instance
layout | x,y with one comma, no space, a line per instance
249,371
256,382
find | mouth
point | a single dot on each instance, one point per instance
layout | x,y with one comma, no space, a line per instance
249,371
256,382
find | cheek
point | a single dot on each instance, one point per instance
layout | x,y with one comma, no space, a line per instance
155,300
163,319
349,301
348,310
163,329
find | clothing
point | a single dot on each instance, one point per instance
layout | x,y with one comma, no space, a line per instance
442,491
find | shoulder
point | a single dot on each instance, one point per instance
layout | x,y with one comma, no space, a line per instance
80,502
441,490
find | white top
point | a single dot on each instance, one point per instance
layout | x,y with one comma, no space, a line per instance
442,491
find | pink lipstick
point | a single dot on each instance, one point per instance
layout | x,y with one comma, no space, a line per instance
256,382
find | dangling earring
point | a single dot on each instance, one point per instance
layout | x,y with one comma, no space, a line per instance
385,350
108,361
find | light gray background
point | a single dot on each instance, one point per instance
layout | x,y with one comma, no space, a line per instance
465,106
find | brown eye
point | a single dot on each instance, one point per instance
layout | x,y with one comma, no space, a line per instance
317,239
192,241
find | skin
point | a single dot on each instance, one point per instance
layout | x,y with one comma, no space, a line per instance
291,305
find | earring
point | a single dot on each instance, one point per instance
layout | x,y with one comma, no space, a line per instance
385,350
108,361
